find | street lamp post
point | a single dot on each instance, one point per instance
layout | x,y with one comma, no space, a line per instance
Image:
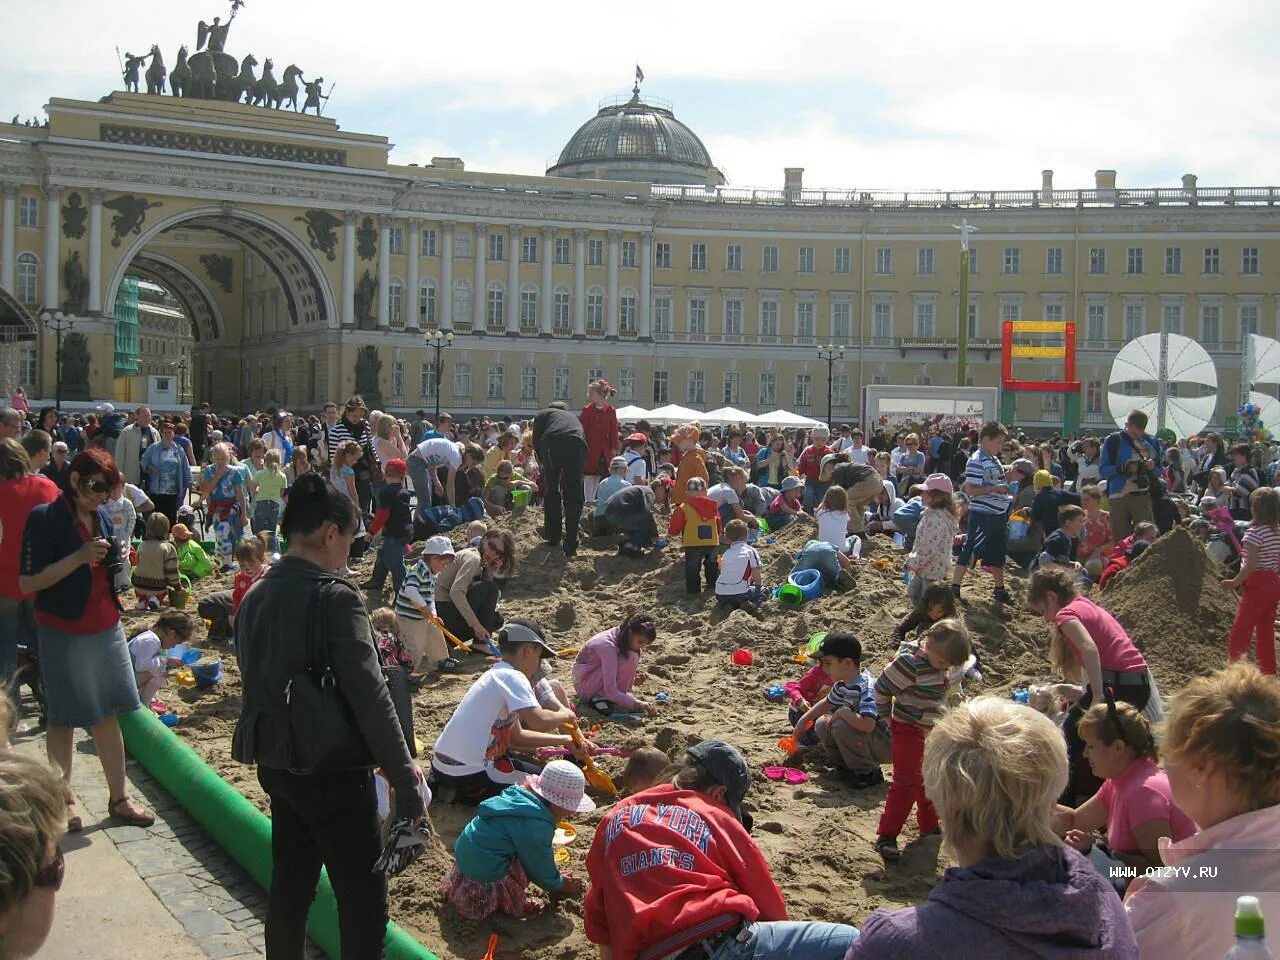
962,332
437,341
59,324
831,354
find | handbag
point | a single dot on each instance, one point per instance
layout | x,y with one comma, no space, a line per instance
323,737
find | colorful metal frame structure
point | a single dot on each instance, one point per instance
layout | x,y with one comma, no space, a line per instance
1069,386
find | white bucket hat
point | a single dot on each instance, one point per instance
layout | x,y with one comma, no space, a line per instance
562,784
437,547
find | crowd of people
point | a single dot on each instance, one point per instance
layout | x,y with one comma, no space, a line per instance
1044,808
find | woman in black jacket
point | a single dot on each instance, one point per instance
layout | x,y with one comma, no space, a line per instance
318,774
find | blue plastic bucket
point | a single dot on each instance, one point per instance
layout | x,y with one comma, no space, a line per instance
809,582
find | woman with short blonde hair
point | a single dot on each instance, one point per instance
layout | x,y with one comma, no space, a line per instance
33,811
993,770
1221,749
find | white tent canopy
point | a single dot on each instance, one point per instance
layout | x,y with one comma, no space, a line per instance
673,413
632,413
784,418
725,416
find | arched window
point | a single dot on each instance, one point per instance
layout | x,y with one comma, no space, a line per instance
595,310
395,302
563,312
529,307
427,304
462,303
28,279
495,302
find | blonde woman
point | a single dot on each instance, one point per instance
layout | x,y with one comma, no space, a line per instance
993,770
1221,750
33,810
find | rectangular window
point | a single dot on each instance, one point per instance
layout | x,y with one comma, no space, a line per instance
1248,319
395,302
1172,260
1249,261
973,261
973,320
769,259
497,388
662,256
1097,260
732,387
1135,320
1093,397
925,320
841,320
428,242
563,255
1054,312
529,383
462,303
882,322
733,257
884,261
497,245
397,378
594,374
529,249
661,388
1095,322
461,381
1133,262
628,253
1012,259
697,316
627,313
595,312
733,317
697,390
397,240
662,315
768,318
804,390
924,260
1171,318
562,310
1053,261
595,252
805,310
1010,311
844,260
462,243
1210,325
697,256
495,309
529,308
804,260
29,212
563,386
768,394
428,379
1212,260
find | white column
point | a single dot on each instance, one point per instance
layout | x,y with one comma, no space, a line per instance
52,272
444,296
547,295
643,327
9,242
611,308
479,301
410,299
349,269
580,283
95,251
384,273
513,280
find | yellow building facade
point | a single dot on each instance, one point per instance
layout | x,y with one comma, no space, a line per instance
311,267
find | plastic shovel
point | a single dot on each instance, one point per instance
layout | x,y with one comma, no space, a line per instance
595,776
567,652
493,946
449,636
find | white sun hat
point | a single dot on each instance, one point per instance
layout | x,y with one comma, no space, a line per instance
562,784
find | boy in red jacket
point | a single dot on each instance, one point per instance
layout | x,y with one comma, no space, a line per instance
697,522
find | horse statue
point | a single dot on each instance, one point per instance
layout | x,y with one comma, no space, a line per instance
156,72
204,78
240,87
288,88
264,91
180,75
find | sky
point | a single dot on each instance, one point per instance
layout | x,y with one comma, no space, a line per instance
927,95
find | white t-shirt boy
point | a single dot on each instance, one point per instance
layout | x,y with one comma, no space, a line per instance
467,738
737,565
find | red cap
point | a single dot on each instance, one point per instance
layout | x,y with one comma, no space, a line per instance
397,466
637,437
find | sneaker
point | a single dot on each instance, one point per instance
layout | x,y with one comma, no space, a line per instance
887,847
449,665
1002,595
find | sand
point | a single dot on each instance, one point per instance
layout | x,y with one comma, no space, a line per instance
816,836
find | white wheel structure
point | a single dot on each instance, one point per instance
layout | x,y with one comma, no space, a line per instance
1262,366
1158,360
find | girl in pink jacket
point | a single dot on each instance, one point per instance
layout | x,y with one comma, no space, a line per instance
605,669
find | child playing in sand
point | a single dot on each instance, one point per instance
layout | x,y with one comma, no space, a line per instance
499,489
604,671
416,607
930,560
693,461
251,558
1145,531
1260,577
644,769
912,690
475,533
936,602
156,572
786,506
508,845
1061,546
696,521
1095,541
808,690
740,583
847,721
833,521
614,482
146,650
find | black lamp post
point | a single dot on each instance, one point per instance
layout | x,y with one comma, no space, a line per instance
59,324
831,354
437,341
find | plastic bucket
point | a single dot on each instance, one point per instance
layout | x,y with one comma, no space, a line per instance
809,582
520,498
789,595
763,524
209,547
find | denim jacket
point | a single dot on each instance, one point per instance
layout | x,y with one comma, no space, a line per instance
51,535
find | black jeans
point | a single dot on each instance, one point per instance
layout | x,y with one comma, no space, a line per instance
704,557
563,458
482,597
1081,781
639,529
328,820
167,504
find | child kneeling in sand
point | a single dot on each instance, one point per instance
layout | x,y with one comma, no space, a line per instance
508,845
416,607
847,721
147,651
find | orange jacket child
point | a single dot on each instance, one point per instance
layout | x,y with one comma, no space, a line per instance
696,522
692,464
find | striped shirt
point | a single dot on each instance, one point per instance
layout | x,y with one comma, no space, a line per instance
1267,540
419,585
984,470
915,689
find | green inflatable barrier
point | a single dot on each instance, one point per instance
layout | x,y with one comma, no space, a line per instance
237,825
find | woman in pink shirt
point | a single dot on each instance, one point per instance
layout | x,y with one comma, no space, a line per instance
1088,644
1134,803
1222,754
605,669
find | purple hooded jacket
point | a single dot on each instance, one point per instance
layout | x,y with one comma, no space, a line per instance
1049,904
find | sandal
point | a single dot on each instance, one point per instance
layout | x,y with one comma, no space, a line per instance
122,809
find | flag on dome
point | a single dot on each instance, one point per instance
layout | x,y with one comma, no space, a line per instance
639,74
